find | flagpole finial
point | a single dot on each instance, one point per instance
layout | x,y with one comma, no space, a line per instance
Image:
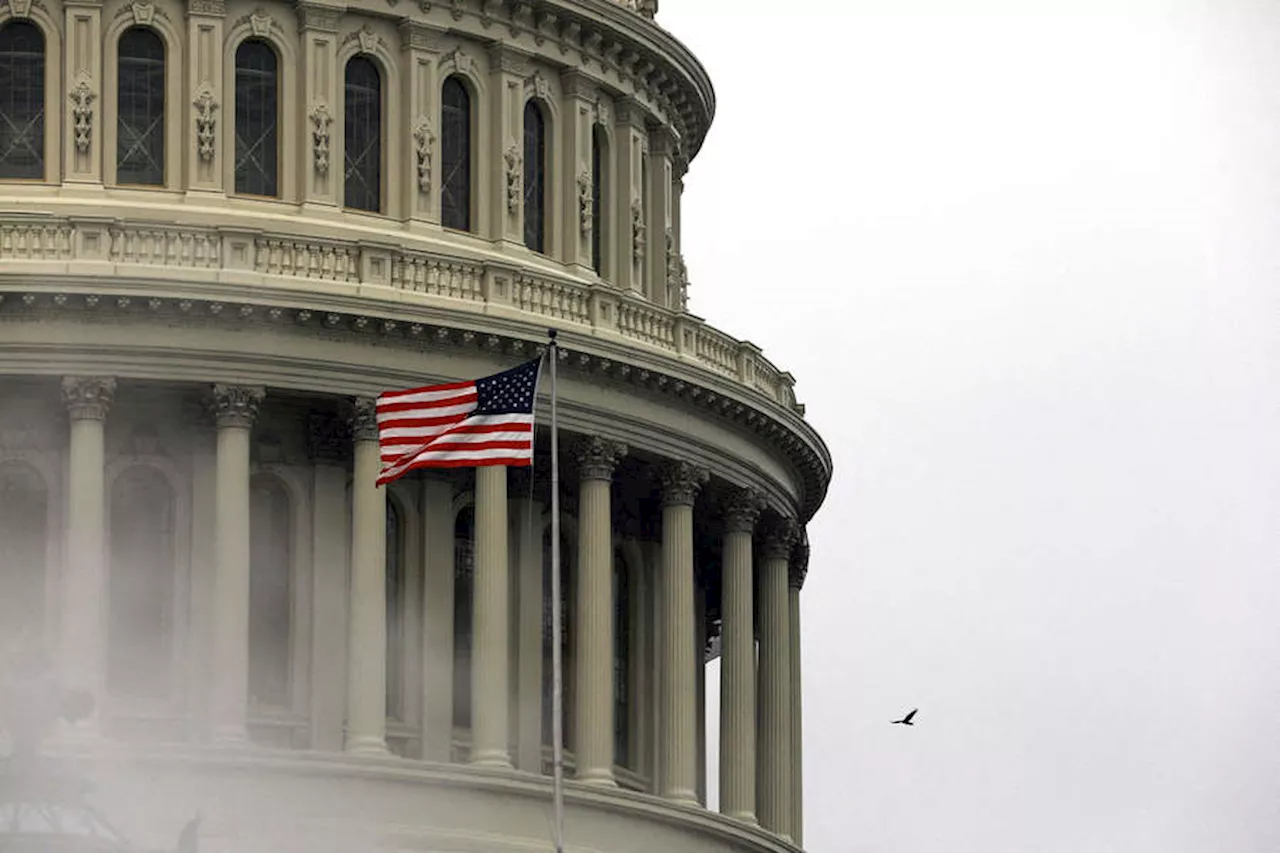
551,333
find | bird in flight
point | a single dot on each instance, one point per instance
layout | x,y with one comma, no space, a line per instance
906,721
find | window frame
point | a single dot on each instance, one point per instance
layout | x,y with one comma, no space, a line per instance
383,142
280,125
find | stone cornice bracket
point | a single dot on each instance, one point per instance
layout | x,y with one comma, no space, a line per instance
799,566
418,36
317,16
575,84
20,8
503,58
363,418
630,113
207,8
88,398
681,483
779,535
742,510
236,405
598,457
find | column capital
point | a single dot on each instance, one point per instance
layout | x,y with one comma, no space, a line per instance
598,457
318,16
236,405
663,142
415,35
742,509
681,482
364,419
207,8
578,85
88,398
628,112
780,534
799,565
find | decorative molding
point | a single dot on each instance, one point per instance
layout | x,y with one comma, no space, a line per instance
515,177
236,406
598,457
681,482
82,97
637,229
742,509
320,122
423,138
206,105
586,216
88,398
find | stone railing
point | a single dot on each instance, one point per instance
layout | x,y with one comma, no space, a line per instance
106,247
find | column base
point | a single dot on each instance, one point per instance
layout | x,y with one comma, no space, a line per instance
748,818
366,745
598,778
684,796
230,737
494,760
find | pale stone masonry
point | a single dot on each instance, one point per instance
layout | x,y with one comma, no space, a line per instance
197,312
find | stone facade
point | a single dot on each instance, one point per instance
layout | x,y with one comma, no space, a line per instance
224,228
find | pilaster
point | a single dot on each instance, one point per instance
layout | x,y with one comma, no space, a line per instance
507,70
661,248
204,99
575,135
630,223
321,169
420,47
82,71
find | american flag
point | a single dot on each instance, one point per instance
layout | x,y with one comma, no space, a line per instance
485,422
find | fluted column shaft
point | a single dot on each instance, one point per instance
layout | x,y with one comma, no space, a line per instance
83,640
678,750
738,662
774,767
593,649
797,740
234,407
490,655
367,608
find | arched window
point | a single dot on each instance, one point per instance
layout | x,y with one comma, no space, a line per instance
24,505
455,155
362,149
568,600
599,159
140,594
535,176
257,118
621,661
270,592
21,100
395,612
140,108
463,573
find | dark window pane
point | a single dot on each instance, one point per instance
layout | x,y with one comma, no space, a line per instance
535,150
455,154
362,153
597,198
270,593
257,117
140,109
21,101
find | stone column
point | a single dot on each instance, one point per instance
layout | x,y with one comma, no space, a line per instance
490,655
367,607
738,660
799,568
204,103
773,783
579,109
593,648
630,231
84,638
506,149
320,167
527,549
678,765
234,408
437,609
661,248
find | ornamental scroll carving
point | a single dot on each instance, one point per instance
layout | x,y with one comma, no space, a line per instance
742,510
236,405
637,230
363,419
681,483
82,97
779,536
88,397
585,207
598,457
423,139
515,177
320,122
206,122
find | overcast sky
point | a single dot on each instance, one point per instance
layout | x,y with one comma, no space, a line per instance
1022,258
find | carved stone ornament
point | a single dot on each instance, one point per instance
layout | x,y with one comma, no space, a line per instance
515,177
461,61
423,139
88,397
779,536
637,229
602,111
206,122
799,566
82,98
598,457
742,510
585,215
143,12
368,39
236,405
681,483
677,281
20,8
261,22
320,121
539,86
364,419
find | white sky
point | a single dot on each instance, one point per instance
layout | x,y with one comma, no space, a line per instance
1022,259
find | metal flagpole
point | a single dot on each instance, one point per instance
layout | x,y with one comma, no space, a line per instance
557,691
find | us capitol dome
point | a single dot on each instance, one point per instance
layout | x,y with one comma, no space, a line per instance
225,227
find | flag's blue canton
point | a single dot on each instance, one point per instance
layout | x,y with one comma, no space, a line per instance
511,391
